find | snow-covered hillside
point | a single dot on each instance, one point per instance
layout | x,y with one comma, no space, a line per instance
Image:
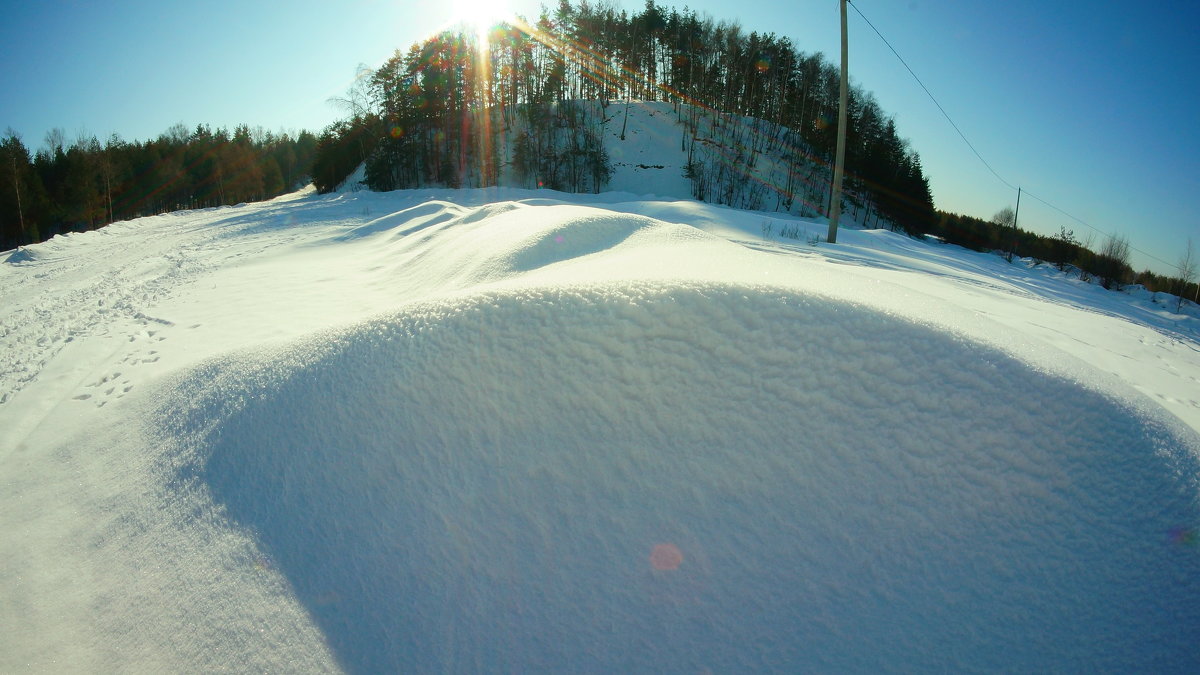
741,161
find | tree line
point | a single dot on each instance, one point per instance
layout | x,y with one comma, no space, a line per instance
446,111
85,184
1106,261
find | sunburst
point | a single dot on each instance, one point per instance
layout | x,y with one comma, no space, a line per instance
480,16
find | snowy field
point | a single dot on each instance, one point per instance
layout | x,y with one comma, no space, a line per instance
500,430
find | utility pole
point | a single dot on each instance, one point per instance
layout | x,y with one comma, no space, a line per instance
1012,247
835,198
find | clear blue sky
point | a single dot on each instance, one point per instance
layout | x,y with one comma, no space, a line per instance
1093,106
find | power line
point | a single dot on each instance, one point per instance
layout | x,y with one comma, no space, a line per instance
981,159
931,98
1086,224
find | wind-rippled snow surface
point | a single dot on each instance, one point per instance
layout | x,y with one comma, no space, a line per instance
508,431
479,485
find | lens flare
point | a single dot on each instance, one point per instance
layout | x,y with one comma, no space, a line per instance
480,15
1182,536
666,557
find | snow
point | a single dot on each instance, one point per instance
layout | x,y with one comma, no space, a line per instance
445,430
650,160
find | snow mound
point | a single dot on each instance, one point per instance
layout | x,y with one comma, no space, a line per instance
21,255
694,477
567,233
43,252
406,221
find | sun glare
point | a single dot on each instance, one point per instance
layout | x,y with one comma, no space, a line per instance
480,16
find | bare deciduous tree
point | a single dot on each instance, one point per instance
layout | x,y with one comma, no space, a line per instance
56,141
1187,272
1112,263
1007,219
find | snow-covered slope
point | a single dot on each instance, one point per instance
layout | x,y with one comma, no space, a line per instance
650,159
742,162
525,431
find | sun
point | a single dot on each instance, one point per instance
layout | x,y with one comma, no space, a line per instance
480,16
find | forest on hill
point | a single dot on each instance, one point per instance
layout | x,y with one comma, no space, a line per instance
436,114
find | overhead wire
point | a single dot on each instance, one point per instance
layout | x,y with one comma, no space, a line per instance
980,156
931,97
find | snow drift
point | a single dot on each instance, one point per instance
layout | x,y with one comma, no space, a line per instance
479,484
448,431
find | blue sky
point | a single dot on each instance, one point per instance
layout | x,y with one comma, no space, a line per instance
1092,106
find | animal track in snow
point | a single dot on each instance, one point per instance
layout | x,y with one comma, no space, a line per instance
105,380
138,358
112,387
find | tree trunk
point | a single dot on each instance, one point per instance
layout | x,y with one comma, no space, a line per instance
17,189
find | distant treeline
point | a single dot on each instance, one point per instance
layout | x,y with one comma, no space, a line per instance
88,184
1106,261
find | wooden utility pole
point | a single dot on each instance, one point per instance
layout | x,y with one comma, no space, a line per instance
835,198
1012,246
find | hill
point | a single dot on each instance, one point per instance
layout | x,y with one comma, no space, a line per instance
539,104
